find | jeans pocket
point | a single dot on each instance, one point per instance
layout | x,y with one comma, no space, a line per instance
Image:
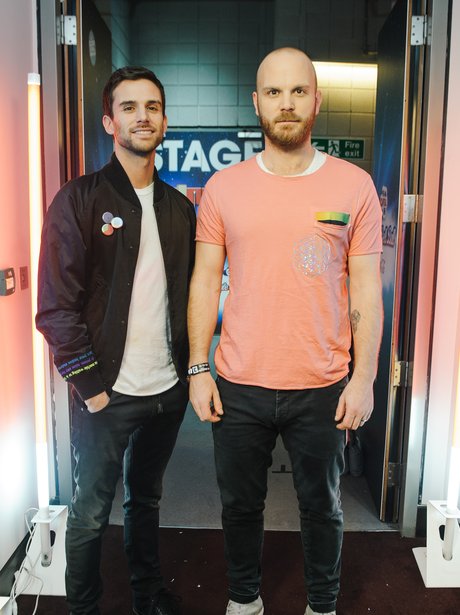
113,397
76,417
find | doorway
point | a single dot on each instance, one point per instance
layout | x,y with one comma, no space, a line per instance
215,64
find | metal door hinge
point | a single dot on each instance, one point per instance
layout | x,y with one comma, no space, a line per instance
402,374
394,474
66,30
420,30
412,205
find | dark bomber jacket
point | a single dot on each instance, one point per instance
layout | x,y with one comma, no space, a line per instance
85,277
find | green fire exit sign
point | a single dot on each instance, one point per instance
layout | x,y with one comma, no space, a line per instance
341,148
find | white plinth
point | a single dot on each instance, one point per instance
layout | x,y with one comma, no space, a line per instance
435,570
6,608
50,580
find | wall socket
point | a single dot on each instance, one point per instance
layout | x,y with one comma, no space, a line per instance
23,277
7,281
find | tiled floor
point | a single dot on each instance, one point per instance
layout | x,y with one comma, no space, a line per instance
191,497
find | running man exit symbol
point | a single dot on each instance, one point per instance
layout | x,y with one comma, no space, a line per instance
333,148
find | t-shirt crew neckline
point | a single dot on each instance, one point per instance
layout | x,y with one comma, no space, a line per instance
319,159
144,191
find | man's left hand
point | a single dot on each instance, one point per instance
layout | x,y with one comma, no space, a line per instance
98,402
355,404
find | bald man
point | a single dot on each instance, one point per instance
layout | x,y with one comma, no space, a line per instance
302,234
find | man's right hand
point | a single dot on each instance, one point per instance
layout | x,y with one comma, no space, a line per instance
205,398
98,402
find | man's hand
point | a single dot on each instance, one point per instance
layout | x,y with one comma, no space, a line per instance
205,398
98,402
355,404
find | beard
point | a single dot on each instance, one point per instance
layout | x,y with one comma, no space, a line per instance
139,147
287,137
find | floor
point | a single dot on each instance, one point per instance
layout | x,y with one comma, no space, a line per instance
379,576
191,498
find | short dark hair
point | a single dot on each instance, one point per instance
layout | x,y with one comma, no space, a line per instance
128,73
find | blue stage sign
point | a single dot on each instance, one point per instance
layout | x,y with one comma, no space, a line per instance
189,158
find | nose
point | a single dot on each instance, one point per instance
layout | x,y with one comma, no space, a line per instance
287,101
141,115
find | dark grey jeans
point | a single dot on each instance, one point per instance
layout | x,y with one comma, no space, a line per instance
243,443
136,434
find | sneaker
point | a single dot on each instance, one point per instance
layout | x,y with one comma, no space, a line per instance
163,603
255,607
310,611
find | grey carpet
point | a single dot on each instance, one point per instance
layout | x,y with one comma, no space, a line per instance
191,498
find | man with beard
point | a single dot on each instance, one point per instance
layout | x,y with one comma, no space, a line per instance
115,265
295,224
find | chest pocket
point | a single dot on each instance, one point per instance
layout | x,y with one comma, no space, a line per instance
335,218
334,228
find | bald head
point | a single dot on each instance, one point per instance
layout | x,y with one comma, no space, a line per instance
287,100
285,61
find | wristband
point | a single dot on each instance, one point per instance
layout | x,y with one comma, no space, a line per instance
199,368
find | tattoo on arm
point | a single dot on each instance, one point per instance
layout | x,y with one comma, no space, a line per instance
355,317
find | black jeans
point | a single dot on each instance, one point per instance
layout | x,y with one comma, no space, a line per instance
137,434
243,443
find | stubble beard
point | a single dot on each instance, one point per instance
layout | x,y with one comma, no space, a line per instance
127,141
287,139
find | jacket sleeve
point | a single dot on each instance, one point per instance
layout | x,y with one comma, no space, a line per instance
62,294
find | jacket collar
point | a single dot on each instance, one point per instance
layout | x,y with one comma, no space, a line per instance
117,176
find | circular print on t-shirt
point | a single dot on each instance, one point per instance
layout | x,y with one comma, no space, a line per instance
312,255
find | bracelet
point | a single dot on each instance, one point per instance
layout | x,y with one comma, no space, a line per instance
199,368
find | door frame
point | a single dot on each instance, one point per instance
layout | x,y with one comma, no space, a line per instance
63,121
427,185
53,60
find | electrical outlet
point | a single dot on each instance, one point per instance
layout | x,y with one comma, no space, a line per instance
23,277
7,281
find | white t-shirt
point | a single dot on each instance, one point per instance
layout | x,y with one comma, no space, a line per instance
147,367
319,158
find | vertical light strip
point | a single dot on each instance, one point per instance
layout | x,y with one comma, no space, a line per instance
453,490
457,408
453,486
38,345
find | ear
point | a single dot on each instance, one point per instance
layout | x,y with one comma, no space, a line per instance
255,103
107,122
318,101
165,124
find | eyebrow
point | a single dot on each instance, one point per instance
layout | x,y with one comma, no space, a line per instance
304,86
135,102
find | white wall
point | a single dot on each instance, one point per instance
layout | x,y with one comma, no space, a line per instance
207,53
334,30
446,333
17,450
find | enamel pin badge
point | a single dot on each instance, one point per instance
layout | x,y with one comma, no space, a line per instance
111,223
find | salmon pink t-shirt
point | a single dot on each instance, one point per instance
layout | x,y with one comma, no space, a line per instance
286,320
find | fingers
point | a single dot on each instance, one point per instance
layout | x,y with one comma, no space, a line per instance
339,413
216,404
209,412
205,398
355,405
353,422
97,403
364,420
